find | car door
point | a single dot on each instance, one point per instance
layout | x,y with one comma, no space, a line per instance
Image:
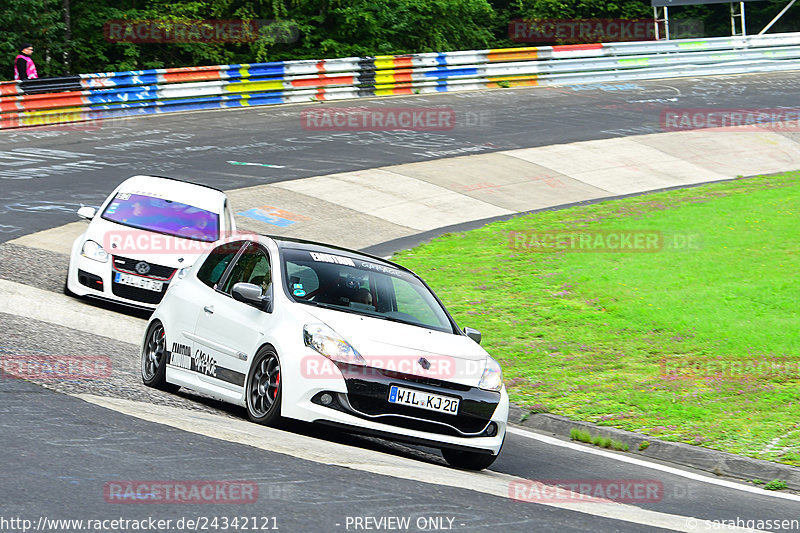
183,299
228,331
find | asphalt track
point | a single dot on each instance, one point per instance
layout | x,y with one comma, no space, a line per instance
64,450
46,174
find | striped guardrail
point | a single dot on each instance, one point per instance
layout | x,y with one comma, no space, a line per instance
116,94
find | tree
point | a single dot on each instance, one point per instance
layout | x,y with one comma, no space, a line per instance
39,22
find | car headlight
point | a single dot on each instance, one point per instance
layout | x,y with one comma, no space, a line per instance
92,250
492,378
327,342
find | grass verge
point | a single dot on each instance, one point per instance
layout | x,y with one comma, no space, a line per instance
695,340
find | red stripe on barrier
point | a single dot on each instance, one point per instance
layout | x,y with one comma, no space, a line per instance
571,47
35,102
9,122
323,81
403,62
9,88
171,77
9,104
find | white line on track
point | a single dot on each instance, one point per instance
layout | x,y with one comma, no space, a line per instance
16,298
330,453
647,464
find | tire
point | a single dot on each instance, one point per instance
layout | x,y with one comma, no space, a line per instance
263,388
468,460
154,359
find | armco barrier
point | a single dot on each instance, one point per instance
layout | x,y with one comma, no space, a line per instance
117,94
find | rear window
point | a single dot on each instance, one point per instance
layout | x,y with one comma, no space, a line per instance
163,216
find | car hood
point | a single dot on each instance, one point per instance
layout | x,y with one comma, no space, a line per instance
155,248
398,346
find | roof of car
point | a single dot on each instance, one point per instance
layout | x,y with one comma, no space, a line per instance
289,242
186,192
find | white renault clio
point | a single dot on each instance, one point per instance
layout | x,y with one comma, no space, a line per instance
147,229
323,334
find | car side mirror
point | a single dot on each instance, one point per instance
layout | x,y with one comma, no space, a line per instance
473,334
251,294
87,212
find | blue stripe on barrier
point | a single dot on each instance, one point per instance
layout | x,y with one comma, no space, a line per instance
451,72
119,79
267,70
107,96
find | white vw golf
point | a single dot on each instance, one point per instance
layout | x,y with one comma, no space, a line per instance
323,334
148,228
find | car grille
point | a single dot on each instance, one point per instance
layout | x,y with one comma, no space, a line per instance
137,294
128,265
368,396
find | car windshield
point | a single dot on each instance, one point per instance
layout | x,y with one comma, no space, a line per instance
163,216
361,285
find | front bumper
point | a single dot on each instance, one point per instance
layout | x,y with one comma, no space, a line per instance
362,406
94,279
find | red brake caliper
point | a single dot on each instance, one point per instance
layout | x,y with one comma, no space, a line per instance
277,382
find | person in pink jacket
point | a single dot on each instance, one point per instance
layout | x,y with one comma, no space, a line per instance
24,68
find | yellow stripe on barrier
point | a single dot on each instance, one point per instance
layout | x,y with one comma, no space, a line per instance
394,76
694,44
51,116
392,62
249,86
631,62
384,62
513,54
528,80
390,90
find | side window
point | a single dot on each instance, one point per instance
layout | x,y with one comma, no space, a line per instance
217,261
251,267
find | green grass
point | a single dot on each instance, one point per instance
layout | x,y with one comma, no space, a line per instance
775,484
582,435
587,335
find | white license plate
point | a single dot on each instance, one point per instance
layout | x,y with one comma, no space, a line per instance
136,281
423,400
